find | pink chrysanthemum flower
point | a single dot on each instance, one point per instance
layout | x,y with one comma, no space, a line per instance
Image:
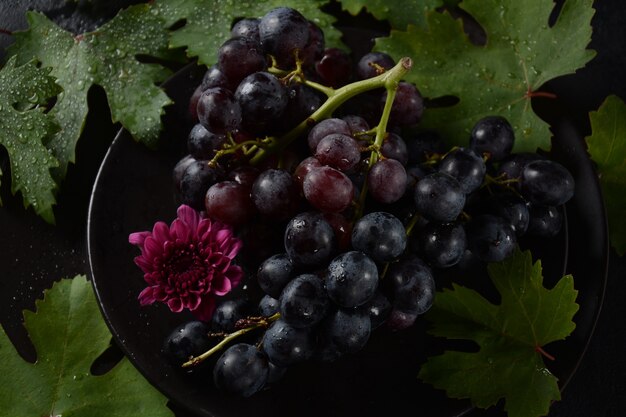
189,263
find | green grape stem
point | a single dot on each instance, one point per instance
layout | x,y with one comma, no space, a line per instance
253,325
388,79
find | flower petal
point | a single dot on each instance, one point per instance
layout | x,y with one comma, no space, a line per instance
138,238
146,296
151,248
143,263
205,308
189,216
181,231
161,232
175,305
221,286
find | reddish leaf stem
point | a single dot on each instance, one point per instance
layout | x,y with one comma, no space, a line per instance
6,32
531,94
544,353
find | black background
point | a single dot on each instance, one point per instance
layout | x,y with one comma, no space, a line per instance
34,254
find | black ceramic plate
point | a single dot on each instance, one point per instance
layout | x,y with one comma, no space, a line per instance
134,189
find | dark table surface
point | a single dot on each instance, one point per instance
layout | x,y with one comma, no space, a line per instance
33,254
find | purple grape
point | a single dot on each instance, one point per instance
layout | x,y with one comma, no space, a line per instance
386,181
324,128
214,77
408,105
373,64
338,151
230,203
394,147
239,57
334,68
328,189
218,110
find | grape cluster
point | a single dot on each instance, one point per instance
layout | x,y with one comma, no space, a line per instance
347,211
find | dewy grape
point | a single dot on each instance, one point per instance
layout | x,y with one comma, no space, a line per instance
346,210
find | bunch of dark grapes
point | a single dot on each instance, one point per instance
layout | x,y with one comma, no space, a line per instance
346,219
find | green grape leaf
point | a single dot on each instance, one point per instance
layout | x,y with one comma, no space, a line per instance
521,53
208,22
107,57
607,147
510,337
399,14
68,333
23,126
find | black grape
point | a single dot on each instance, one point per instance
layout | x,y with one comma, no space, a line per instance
411,286
309,239
380,235
268,306
202,143
546,183
187,340
466,166
544,221
494,136
263,99
275,194
246,28
352,279
274,273
241,370
227,313
195,180
282,32
304,301
442,245
490,238
439,197
286,345
347,330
